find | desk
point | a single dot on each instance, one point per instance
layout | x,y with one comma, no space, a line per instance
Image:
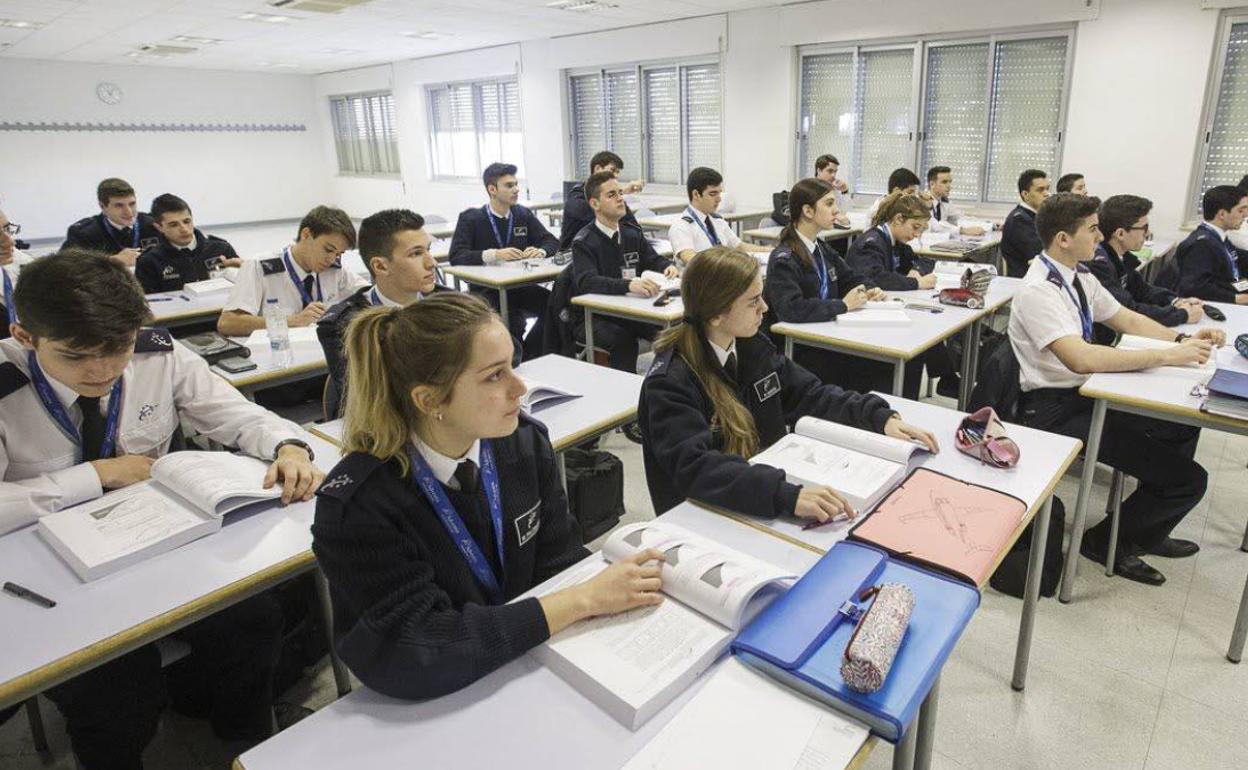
521,717
981,253
899,344
99,621
769,236
625,306
307,361
507,275
734,218
439,230
1159,394
172,309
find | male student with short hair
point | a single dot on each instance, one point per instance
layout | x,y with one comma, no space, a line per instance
700,227
945,215
120,230
502,231
306,276
88,400
1207,263
184,254
905,181
826,168
11,261
608,257
1123,221
1072,183
1051,322
576,210
1020,242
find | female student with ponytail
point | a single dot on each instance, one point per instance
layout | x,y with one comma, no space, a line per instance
448,505
883,253
719,392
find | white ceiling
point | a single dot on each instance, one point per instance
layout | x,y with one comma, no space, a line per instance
105,31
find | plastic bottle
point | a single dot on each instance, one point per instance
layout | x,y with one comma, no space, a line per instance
278,331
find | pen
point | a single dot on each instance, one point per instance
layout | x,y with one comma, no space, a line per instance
833,520
160,299
29,595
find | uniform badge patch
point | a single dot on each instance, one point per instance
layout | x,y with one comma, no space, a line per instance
527,524
768,386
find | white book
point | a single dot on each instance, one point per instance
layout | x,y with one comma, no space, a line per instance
540,395
664,283
634,663
876,316
186,498
742,719
1134,342
946,267
209,286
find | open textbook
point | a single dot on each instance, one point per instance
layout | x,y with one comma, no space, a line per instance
663,282
723,727
539,395
1134,342
186,498
859,465
888,312
634,663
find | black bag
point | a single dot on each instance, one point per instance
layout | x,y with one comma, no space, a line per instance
212,347
780,207
595,490
1011,577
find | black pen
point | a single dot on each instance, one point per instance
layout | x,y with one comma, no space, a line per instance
25,593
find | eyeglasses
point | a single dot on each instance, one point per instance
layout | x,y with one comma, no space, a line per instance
12,228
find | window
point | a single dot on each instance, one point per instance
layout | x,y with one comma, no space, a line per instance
1223,154
472,125
364,134
662,119
986,107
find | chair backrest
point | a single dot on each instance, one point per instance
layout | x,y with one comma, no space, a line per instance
997,384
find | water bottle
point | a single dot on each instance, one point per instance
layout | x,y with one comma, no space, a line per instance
278,331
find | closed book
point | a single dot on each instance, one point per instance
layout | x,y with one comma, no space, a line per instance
1228,382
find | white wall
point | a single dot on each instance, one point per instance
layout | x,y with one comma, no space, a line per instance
49,178
1139,74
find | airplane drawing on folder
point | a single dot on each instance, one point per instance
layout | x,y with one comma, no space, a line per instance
952,518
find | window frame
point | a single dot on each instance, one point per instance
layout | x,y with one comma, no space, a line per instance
919,107
1192,214
373,140
478,120
640,68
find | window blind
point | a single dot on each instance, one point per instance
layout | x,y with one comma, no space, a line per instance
1028,87
588,126
663,126
826,121
955,115
884,94
365,138
1226,154
701,113
623,124
472,125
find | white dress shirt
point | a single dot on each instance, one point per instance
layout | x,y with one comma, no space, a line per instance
444,467
685,235
722,353
252,286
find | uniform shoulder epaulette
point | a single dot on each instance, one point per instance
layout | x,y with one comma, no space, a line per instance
12,379
153,340
687,218
631,225
585,234
84,222
661,363
215,239
272,265
348,475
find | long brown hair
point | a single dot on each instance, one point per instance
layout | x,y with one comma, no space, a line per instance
711,283
909,206
807,192
389,352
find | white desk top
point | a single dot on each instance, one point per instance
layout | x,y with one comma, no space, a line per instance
903,342
858,222
508,275
520,717
628,306
608,398
172,307
307,360
96,621
531,205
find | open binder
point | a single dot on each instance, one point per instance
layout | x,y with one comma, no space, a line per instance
800,638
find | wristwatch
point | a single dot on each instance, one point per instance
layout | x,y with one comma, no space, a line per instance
1181,336
295,442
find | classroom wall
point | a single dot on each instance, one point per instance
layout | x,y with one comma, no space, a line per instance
1138,81
47,179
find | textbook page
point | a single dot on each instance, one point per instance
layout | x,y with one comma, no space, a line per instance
744,720
215,482
875,444
1134,342
539,394
711,578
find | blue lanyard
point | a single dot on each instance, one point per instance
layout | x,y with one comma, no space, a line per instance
1230,254
134,228
892,250
821,269
294,278
1085,320
8,296
423,478
498,237
56,410
710,234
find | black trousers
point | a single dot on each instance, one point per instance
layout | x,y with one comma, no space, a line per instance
112,711
1158,454
619,338
522,304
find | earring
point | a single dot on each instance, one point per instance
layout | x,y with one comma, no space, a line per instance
438,416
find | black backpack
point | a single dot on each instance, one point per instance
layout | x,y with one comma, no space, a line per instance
780,207
595,490
1011,576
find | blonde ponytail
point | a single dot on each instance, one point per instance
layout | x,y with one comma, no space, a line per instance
908,205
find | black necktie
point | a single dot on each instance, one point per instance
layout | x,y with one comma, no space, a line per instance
615,237
92,427
1083,298
127,237
466,475
937,211
730,365
710,232
308,283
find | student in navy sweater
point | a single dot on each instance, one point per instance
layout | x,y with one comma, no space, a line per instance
1020,243
184,254
1207,262
501,232
576,211
719,391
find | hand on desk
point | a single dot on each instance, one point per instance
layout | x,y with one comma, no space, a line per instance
855,298
896,428
925,281
509,254
533,252
671,272
643,287
296,473
875,293
1215,336
117,472
1194,308
974,232
625,585
1193,350
822,504
308,316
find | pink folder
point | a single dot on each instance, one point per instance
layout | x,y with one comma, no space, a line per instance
939,521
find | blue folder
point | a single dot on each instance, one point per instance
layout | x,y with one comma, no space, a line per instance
800,638
1229,382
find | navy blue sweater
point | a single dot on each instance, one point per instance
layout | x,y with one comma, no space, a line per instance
1020,242
473,234
886,263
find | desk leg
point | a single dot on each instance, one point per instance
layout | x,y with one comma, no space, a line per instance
561,463
926,729
903,752
589,336
1236,650
1081,504
979,333
1031,594
899,377
502,306
341,678
788,348
968,346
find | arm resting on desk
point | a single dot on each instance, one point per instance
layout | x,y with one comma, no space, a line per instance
802,394
783,292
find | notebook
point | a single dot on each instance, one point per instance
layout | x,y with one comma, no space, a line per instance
634,663
209,286
1134,342
891,314
539,395
187,497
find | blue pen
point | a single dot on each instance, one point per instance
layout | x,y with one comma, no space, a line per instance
160,299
